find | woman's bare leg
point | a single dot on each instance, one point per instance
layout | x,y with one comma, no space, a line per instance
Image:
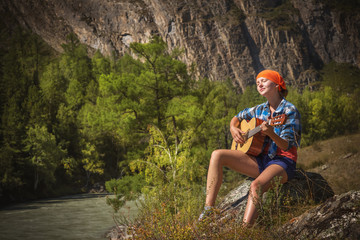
234,160
260,185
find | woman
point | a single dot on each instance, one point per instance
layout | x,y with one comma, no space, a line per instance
279,154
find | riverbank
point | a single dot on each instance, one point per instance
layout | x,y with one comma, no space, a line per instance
6,201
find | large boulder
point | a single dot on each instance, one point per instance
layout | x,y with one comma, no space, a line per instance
337,218
305,186
308,186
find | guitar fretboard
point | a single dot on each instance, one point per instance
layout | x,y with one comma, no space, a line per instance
254,131
273,122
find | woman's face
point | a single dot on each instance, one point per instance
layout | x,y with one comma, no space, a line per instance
266,87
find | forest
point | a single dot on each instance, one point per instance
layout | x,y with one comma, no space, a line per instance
144,123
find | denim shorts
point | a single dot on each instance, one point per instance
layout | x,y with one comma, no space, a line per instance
263,160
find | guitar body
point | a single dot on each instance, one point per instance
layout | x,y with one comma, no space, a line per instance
253,145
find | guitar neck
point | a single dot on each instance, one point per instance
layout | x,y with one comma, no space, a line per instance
278,120
254,131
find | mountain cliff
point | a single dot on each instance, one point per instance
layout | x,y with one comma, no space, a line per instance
224,38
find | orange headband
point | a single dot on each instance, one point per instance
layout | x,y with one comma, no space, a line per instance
274,77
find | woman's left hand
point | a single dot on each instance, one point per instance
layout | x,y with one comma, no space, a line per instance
267,129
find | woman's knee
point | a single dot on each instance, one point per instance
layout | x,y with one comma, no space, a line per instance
256,187
216,157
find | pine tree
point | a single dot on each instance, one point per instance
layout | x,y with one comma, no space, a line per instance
23,61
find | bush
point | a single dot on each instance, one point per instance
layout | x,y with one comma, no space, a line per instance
125,189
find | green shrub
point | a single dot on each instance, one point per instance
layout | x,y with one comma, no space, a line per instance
125,189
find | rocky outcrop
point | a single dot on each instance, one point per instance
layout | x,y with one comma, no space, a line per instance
337,218
224,38
304,187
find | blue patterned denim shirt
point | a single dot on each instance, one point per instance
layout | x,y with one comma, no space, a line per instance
289,131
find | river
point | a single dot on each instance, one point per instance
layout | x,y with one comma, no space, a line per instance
76,217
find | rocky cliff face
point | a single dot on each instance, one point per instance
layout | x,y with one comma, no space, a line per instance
224,38
337,218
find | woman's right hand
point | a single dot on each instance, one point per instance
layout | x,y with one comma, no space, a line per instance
237,134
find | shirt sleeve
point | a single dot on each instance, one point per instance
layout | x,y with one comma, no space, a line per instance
247,113
291,130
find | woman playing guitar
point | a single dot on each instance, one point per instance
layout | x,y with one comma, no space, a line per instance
279,151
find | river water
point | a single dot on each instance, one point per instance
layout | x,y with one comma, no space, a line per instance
76,217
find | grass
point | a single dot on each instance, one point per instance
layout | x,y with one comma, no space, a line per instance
158,223
319,162
340,154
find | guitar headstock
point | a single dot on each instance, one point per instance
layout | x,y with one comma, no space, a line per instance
278,120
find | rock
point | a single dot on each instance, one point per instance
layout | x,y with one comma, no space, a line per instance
305,186
324,167
308,186
337,218
118,233
234,202
225,39
347,156
97,188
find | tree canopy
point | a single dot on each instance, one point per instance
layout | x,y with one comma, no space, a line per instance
75,119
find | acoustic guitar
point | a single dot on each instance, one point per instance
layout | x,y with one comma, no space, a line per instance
253,139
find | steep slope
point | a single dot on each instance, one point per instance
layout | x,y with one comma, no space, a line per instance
336,159
224,38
